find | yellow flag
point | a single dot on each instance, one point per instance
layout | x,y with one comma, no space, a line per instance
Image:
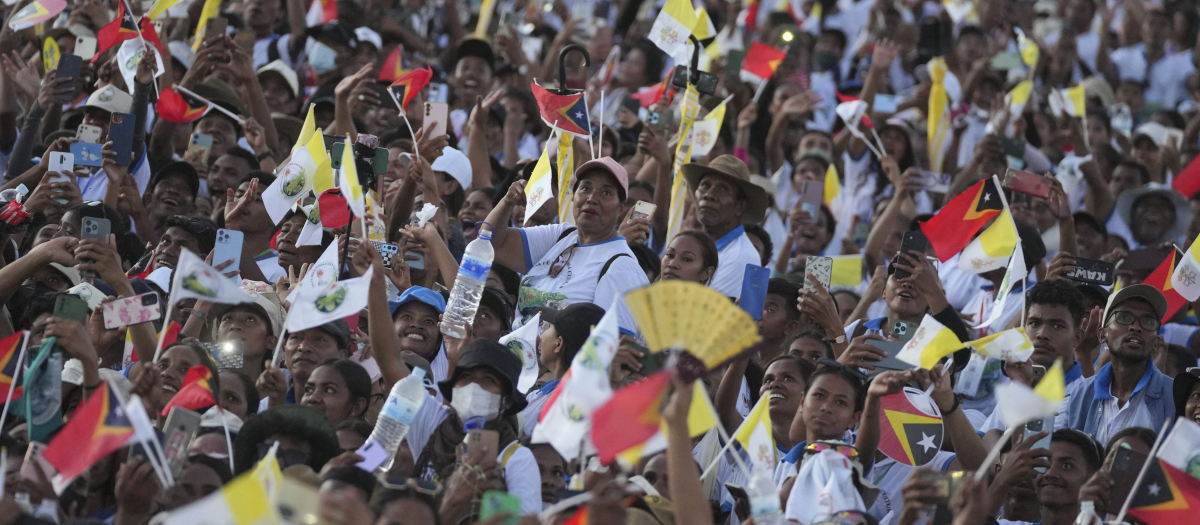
701,416
992,248
1052,387
348,181
833,186
1028,49
566,178
1076,101
209,11
50,54
705,131
939,115
704,28
930,344
307,130
1008,345
1020,93
539,189
755,434
847,270
160,7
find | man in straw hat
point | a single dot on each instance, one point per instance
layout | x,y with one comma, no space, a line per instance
725,198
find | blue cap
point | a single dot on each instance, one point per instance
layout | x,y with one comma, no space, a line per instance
422,294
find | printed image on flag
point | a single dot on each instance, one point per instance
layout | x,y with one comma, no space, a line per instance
1186,277
910,430
173,107
672,27
194,278
337,300
11,348
1160,278
406,86
566,113
992,248
953,227
706,130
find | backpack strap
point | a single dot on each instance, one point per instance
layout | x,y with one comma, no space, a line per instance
609,263
508,452
565,233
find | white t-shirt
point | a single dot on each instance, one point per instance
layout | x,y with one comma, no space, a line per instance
734,252
579,280
1166,80
521,473
93,188
889,476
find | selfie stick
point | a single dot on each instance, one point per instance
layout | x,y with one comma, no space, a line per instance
1142,473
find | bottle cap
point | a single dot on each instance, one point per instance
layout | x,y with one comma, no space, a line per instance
474,423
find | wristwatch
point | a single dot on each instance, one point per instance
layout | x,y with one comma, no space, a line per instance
837,340
262,156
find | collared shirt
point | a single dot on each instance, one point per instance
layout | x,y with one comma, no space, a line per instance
1115,417
996,422
1166,79
535,401
734,252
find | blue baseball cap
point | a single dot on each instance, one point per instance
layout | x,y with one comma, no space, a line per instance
422,294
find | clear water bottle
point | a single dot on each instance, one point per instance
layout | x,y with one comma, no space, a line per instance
1087,514
398,412
468,286
764,499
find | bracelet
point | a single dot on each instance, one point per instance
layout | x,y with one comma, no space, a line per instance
199,315
953,407
263,156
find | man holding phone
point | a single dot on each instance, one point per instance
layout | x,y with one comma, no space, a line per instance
725,199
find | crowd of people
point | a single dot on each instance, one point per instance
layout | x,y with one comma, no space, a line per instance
1113,168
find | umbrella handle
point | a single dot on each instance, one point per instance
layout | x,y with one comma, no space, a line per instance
562,69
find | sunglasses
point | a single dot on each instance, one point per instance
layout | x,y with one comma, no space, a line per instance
419,486
846,450
562,261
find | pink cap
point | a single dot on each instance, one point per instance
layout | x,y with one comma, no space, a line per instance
609,165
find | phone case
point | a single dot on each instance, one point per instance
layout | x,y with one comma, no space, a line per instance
643,210
89,134
1038,425
129,311
86,154
228,246
913,241
386,251
1092,271
498,502
85,47
436,115
68,67
200,141
95,228
379,166
811,197
754,290
70,306
1027,183
120,132
60,161
892,348
178,431
819,267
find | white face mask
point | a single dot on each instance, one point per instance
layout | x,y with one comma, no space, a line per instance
322,58
473,401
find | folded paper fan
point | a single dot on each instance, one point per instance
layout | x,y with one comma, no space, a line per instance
688,316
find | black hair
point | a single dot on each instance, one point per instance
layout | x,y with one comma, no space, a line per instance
1057,292
358,381
641,184
837,35
1181,355
655,59
844,372
353,476
1147,436
509,278
969,31
207,361
1102,116
299,421
241,153
202,228
264,179
1085,218
763,237
385,496
358,426
810,332
490,192
1087,446
220,466
1143,173
648,260
38,304
789,291
1177,120
1031,244
848,291
806,367
709,255
248,389
99,210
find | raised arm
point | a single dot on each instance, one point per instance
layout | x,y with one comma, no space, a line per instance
477,152
725,401
509,246
385,344
687,493
658,158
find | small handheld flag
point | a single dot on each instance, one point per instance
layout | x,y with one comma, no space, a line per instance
119,30
196,393
761,62
406,86
172,107
566,113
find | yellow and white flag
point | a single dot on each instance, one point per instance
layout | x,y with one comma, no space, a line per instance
539,189
705,132
992,249
938,134
1019,404
1186,277
673,26
1070,101
755,435
833,186
689,108
930,344
1009,345
1016,99
294,180
207,13
250,499
352,189
1027,48
566,178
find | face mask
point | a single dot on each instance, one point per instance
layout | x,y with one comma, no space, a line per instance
322,58
473,401
823,61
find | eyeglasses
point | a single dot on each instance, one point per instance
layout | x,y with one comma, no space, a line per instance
854,372
420,486
1148,322
846,450
194,225
562,261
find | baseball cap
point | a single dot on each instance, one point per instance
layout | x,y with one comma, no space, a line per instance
110,99
339,330
573,323
1144,292
475,47
366,34
611,166
421,294
178,167
455,164
497,300
278,67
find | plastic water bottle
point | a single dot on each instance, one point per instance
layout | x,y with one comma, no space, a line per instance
1087,514
398,412
764,499
468,286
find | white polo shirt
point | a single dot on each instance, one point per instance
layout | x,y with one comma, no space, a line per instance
734,252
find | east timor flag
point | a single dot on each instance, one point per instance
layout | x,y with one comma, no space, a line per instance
11,348
908,434
97,428
566,113
197,392
1166,495
1161,278
957,223
172,107
407,86
119,30
393,65
630,417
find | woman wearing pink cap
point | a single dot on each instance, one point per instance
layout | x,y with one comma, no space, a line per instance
565,264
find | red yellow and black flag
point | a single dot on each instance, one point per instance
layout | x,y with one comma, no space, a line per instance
97,428
196,393
172,107
11,348
1161,278
408,85
122,28
1166,495
393,66
910,434
957,223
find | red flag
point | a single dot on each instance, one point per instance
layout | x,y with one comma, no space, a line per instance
409,84
910,429
393,66
172,107
196,392
10,351
97,428
579,518
321,12
119,30
1188,180
866,120
956,224
630,417
150,35
1166,496
1161,278
761,62
566,113
335,212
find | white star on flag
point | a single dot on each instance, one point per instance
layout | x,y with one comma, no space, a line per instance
926,442
1154,489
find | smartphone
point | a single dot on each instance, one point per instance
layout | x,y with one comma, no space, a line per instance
180,428
228,246
1144,258
810,198
217,25
643,210
733,63
934,182
820,268
737,492
1039,372
651,362
860,231
903,331
660,122
89,134
499,502
885,103
892,348
1038,425
438,92
85,47
478,438
386,251
335,155
1126,463
947,483
120,133
129,311
60,161
418,263
68,67
436,117
929,40
913,241
1027,183
200,142
90,294
70,306
754,290
94,228
87,154
379,165
1092,271
229,355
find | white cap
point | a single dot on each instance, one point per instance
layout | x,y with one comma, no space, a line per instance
366,34
181,52
161,278
455,164
288,74
110,99
213,416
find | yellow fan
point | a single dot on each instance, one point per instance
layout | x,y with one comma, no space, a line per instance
692,317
